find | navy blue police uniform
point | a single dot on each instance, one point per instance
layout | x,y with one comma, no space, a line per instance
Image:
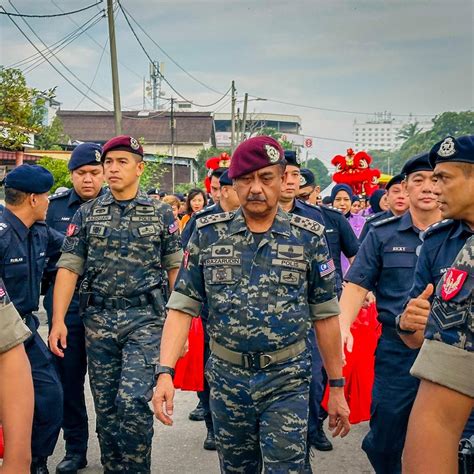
23,254
72,367
385,265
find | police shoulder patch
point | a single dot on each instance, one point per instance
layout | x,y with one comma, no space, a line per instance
307,224
388,220
214,219
330,209
374,216
3,227
62,194
205,211
437,227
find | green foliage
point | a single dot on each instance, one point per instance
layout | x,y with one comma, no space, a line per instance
323,178
59,170
152,174
271,132
203,155
51,136
21,109
447,123
409,130
184,188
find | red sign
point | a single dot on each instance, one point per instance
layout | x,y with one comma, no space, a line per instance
308,143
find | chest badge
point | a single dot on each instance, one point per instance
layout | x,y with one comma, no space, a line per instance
452,284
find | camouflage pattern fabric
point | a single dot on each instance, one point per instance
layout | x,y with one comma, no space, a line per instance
261,296
451,320
263,293
122,250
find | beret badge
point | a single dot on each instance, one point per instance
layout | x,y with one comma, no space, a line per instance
272,153
302,180
134,143
447,149
97,156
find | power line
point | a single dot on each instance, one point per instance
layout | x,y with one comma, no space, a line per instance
53,15
161,75
169,57
52,65
105,99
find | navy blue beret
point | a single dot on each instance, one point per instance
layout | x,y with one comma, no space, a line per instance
453,150
307,178
419,162
85,154
224,180
30,179
154,191
291,158
397,179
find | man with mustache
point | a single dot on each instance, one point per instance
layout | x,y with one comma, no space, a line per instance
276,280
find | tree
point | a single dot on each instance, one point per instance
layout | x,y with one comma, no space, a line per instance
21,109
59,170
409,130
51,136
152,173
203,155
321,173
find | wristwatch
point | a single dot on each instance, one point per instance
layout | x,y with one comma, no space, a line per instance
399,329
337,382
163,369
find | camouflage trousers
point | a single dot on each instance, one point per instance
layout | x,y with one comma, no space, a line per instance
260,416
122,349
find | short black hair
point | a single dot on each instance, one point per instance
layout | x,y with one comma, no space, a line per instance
14,197
217,173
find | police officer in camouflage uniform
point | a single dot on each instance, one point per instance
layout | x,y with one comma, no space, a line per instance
120,243
267,277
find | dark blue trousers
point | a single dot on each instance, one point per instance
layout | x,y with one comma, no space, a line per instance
72,372
393,394
48,411
316,388
205,394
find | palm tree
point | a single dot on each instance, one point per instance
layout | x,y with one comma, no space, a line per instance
410,130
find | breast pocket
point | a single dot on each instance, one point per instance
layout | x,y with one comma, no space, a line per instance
223,286
399,268
16,273
147,243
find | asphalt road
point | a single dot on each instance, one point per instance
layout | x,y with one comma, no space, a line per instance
178,449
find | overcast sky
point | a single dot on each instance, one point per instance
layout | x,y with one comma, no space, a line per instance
404,56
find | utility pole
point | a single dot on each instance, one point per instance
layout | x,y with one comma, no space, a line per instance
172,127
113,60
154,83
244,118
232,119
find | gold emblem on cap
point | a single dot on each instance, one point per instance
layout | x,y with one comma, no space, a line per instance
446,149
134,143
272,153
97,155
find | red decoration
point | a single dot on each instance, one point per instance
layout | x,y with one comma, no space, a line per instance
221,161
354,169
452,283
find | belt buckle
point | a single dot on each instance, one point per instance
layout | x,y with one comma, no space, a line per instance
269,360
254,360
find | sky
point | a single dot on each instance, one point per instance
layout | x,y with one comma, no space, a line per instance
356,56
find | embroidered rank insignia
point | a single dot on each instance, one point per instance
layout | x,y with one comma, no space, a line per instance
327,268
214,219
308,224
452,283
71,228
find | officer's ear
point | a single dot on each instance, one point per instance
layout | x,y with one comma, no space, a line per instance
140,167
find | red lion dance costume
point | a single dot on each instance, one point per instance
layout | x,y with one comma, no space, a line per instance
354,169
214,163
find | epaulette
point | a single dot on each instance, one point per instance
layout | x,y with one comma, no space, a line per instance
213,219
374,216
330,209
3,227
59,195
205,211
386,221
436,227
306,223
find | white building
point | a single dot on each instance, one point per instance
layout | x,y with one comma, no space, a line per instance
380,132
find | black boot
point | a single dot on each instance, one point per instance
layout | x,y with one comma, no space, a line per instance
71,463
320,440
210,441
197,414
39,465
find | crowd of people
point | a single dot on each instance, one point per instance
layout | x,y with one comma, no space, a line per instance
348,308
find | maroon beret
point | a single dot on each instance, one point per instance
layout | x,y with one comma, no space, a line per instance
254,154
122,142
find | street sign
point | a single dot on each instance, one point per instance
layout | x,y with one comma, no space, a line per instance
308,143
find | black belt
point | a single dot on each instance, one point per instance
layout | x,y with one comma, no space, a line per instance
120,302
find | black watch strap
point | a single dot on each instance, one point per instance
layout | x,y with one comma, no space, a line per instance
337,382
163,369
399,329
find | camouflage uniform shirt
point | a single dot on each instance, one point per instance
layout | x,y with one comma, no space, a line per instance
262,295
122,247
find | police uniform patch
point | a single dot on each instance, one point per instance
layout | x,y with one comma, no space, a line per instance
97,156
290,251
222,251
221,275
327,268
134,145
3,226
97,230
100,211
146,230
307,224
290,278
222,261
453,281
71,230
295,264
272,153
173,227
447,148
214,219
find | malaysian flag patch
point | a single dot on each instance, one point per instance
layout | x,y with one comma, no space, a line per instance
327,268
173,227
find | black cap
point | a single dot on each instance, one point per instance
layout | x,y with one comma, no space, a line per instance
459,150
419,162
397,179
291,158
224,180
306,178
153,191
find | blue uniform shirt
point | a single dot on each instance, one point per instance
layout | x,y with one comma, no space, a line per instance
385,264
23,254
371,220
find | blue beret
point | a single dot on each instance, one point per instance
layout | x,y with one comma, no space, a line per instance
125,143
307,178
30,179
85,154
291,158
397,179
453,150
419,162
224,180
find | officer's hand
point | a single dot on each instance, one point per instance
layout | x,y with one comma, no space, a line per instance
185,348
58,335
417,311
163,399
347,340
369,299
338,411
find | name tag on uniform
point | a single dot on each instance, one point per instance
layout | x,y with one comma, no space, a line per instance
281,262
399,249
17,260
211,262
66,219
98,218
145,219
290,251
